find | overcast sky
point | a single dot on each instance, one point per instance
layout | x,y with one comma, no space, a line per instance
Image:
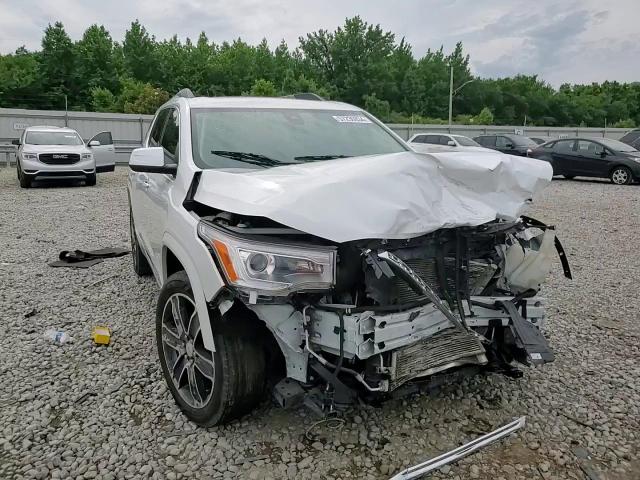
577,41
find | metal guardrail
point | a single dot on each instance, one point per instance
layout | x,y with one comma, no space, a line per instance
8,154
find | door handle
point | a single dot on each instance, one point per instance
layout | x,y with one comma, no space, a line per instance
144,180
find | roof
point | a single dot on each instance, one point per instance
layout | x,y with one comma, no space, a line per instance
266,102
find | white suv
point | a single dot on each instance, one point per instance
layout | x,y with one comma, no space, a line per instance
59,152
301,246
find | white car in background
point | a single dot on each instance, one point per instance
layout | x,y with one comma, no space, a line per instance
59,152
440,142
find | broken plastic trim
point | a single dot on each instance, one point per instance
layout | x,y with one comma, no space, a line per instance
421,469
419,286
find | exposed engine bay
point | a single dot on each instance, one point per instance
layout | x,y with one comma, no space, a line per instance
401,311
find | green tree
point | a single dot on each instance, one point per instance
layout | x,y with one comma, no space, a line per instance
95,63
485,117
102,100
263,88
138,52
20,80
377,107
58,61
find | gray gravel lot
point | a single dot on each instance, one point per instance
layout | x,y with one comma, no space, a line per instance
80,411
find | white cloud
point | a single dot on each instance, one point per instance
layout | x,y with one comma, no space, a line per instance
577,41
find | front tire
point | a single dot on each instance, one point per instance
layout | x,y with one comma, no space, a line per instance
211,388
24,179
621,176
90,180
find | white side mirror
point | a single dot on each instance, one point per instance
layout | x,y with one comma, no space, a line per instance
451,143
150,160
94,143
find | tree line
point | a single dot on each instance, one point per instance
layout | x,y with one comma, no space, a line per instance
358,63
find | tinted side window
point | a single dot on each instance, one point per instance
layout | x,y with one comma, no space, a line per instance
502,142
156,129
444,140
171,136
104,138
418,139
589,148
433,139
550,145
489,141
564,145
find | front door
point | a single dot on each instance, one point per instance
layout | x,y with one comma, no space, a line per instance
160,185
105,153
140,190
592,158
506,145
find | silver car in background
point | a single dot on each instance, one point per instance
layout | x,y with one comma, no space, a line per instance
59,152
441,142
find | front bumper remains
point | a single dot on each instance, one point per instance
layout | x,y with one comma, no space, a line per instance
417,471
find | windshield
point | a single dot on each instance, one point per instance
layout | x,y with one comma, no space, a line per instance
467,142
616,145
53,138
246,138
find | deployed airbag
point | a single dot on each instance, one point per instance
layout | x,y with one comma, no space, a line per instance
400,195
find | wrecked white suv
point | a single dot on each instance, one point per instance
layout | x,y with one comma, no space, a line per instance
302,247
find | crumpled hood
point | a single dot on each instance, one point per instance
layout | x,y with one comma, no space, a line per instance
394,196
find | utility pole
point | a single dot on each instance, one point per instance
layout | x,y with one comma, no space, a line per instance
450,96
66,113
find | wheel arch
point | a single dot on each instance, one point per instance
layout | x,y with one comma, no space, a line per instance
618,165
174,256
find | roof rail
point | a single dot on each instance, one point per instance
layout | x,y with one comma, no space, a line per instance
185,93
306,96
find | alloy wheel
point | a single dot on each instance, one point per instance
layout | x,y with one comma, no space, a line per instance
190,364
620,176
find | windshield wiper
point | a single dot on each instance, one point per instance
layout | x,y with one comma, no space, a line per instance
247,157
320,157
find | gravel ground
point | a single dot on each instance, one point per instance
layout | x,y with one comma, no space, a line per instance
80,411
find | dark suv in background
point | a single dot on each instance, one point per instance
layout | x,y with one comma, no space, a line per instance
508,143
586,157
632,138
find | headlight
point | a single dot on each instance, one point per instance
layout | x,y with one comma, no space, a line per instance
29,156
269,268
87,156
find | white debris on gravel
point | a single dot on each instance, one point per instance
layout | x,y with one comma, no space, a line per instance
82,411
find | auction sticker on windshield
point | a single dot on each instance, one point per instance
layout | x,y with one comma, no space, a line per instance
351,119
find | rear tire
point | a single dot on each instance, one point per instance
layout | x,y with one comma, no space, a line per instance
140,263
621,176
211,388
90,180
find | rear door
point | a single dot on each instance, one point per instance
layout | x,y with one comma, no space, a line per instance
105,153
563,158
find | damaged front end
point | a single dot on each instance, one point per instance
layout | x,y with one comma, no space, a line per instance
366,317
